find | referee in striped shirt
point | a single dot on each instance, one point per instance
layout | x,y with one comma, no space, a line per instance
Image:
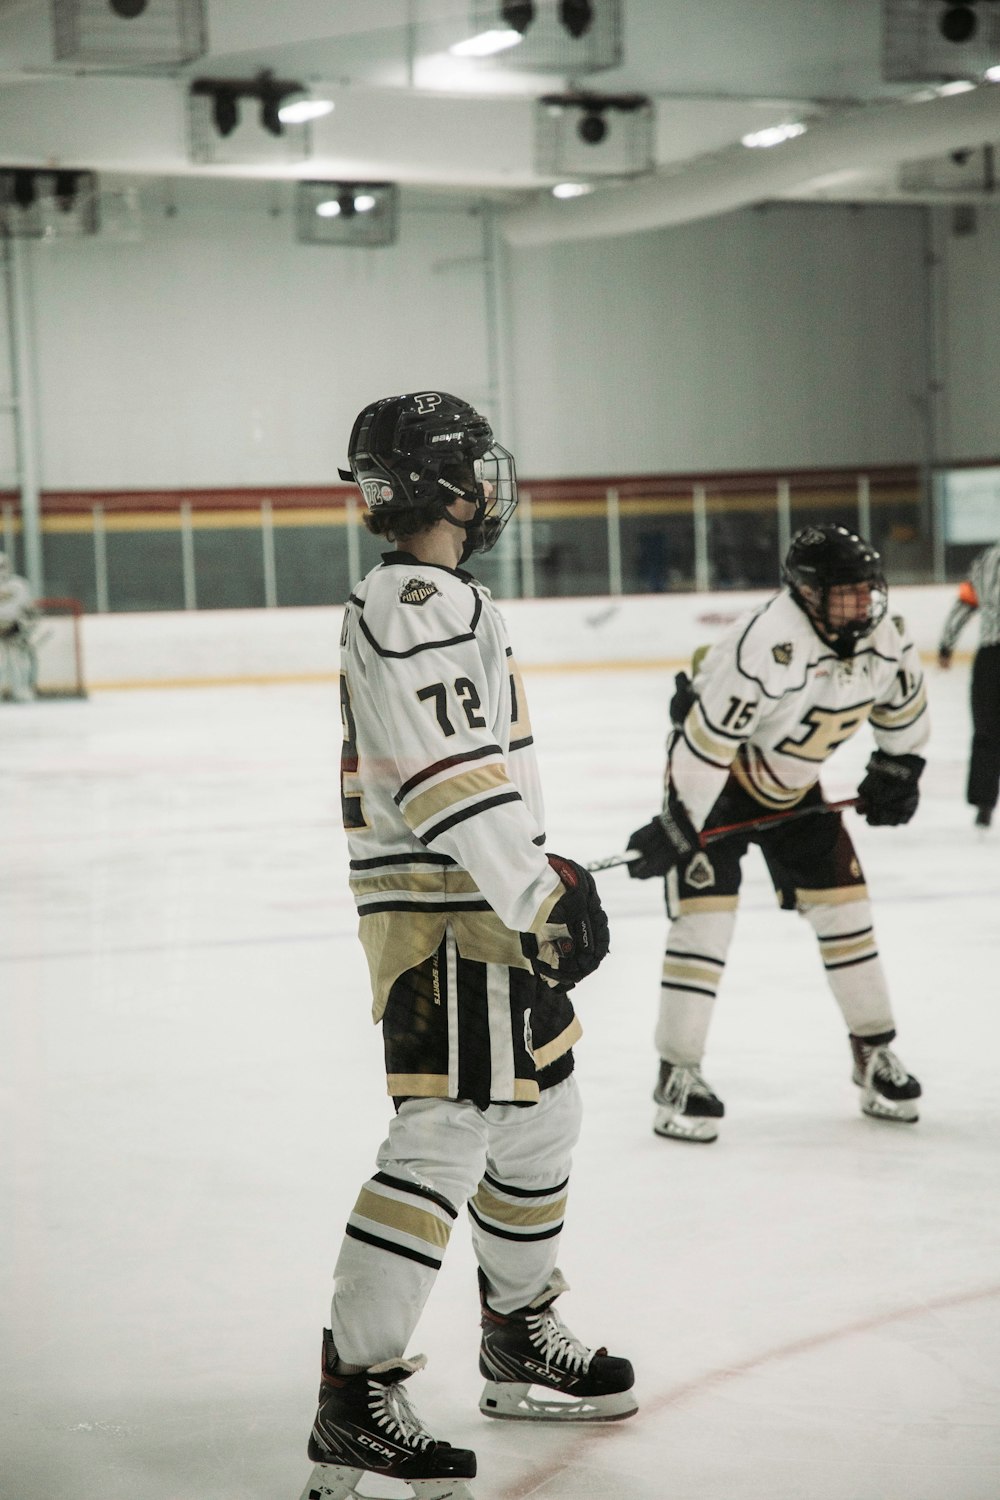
981,591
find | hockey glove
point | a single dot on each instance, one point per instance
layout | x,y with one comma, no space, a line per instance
666,841
683,700
575,939
889,792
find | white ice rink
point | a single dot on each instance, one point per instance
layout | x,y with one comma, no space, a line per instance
192,1093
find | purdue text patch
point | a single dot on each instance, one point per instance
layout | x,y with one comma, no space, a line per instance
782,654
417,591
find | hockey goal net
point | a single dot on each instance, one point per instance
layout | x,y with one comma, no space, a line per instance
58,643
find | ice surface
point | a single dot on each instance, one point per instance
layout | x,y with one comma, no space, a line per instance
192,1092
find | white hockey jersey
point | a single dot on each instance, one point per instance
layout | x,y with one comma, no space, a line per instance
774,701
440,790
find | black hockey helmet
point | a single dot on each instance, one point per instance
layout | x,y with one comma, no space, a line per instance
408,452
820,558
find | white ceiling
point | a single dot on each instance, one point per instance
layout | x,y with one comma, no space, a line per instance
407,112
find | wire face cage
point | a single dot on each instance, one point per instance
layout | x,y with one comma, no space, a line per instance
124,33
40,204
594,135
346,213
939,40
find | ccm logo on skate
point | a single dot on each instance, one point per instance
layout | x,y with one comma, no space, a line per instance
367,1442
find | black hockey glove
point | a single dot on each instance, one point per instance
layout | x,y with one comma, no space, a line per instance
683,699
666,841
575,938
889,792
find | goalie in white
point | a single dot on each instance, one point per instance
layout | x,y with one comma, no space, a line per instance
18,665
474,938
770,701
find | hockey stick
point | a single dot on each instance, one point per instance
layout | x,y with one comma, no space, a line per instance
710,835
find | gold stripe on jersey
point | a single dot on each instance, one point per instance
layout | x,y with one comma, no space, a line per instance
467,784
702,738
559,1045
755,777
504,1211
836,896
885,717
419,1223
442,881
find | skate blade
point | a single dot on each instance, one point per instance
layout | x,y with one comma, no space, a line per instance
676,1127
511,1400
901,1111
330,1482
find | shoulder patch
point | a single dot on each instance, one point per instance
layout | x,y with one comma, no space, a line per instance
417,591
783,653
900,624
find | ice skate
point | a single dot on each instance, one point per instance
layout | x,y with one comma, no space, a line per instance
366,1425
984,817
888,1091
688,1107
532,1347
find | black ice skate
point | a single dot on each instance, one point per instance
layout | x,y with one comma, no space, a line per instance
531,1347
888,1091
365,1424
688,1107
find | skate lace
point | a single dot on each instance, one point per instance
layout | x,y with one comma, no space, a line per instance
886,1065
684,1082
392,1411
556,1344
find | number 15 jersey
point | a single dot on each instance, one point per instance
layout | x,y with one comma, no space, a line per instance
774,701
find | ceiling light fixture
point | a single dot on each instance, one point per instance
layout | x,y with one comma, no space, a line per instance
576,16
486,44
959,22
299,109
572,189
773,135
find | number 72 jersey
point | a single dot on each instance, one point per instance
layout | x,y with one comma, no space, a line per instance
774,701
439,784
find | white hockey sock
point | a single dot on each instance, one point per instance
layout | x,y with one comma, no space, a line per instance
853,968
697,945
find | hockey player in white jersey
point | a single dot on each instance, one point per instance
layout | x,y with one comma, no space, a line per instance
18,666
770,701
474,938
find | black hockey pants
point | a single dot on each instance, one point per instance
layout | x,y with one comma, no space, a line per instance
984,764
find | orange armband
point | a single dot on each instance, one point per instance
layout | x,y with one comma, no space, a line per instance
968,595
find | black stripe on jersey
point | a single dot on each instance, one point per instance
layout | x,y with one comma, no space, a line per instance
513,1192
505,1234
401,859
522,744
418,1191
403,1250
455,903
444,765
851,963
702,958
476,612
468,812
724,734
689,989
455,640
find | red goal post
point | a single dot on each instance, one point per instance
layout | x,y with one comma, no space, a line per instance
58,644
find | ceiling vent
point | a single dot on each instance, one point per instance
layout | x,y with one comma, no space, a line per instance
930,40
570,37
128,33
346,213
593,135
40,204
